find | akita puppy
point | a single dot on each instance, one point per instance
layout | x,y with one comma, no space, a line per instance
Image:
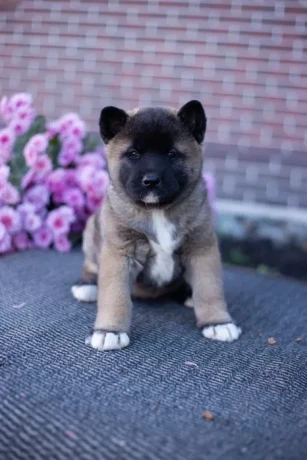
153,235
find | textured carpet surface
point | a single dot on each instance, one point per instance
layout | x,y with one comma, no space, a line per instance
62,400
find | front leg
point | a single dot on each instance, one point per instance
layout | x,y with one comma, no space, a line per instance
204,274
114,302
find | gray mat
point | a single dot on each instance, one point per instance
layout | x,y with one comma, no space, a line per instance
62,400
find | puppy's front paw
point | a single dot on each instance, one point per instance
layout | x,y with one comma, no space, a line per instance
224,332
106,341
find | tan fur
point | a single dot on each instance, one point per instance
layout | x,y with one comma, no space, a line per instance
117,247
114,295
204,274
122,243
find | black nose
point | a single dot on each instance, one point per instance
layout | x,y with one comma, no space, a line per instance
151,180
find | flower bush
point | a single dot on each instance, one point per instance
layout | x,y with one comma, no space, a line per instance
52,177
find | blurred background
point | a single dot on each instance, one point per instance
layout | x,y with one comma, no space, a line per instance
246,61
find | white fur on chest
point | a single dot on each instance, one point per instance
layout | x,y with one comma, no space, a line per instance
162,269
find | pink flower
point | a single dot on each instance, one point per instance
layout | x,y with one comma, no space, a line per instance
25,113
52,129
18,112
21,240
66,122
25,208
6,244
72,191
65,158
57,222
68,213
4,175
42,166
57,197
7,138
20,126
9,194
62,243
21,100
28,179
74,145
5,155
71,178
10,219
2,231
3,103
22,120
4,172
30,154
42,213
70,125
73,197
70,152
100,183
78,129
93,159
42,237
68,118
56,180
38,195
85,176
96,183
32,222
93,203
6,110
40,142
36,145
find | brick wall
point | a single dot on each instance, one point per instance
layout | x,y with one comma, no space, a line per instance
246,61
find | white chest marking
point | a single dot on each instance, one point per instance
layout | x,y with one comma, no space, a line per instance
163,268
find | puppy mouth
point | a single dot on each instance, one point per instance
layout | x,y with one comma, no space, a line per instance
149,201
156,197
151,198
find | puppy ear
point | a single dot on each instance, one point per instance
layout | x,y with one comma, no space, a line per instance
192,115
111,122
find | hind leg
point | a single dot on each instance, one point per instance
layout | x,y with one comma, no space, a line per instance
189,302
85,290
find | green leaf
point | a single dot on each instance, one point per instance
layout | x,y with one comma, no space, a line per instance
265,269
91,142
75,238
53,150
237,257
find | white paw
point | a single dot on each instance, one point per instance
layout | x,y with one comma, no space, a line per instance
105,341
224,332
189,303
85,292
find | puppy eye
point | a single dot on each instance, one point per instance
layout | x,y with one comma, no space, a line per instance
172,153
133,154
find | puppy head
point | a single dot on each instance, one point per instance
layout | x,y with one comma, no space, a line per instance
154,154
